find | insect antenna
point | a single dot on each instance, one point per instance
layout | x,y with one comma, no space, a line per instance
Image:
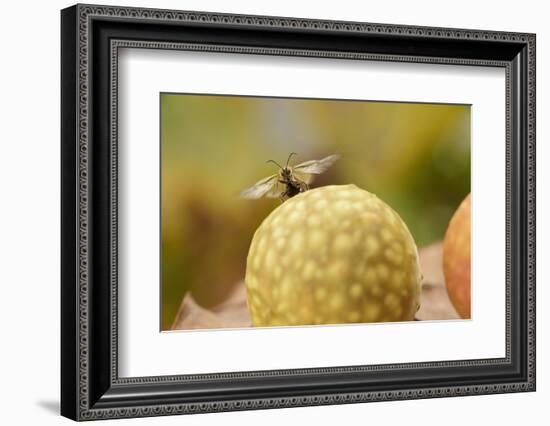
288,159
274,162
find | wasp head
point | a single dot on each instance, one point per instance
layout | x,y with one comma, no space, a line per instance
285,172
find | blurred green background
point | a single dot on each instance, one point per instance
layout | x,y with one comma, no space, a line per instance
415,157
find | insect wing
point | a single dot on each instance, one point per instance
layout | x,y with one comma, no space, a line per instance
260,188
304,177
275,191
316,167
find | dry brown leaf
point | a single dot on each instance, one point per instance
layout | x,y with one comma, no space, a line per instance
232,313
435,303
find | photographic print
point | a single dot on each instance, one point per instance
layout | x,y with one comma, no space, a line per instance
260,183
308,212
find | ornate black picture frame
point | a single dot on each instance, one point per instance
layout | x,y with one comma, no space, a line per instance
91,36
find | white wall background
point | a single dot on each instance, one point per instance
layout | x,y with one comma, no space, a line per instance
29,211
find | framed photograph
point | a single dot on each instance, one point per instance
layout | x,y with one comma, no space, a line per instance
263,212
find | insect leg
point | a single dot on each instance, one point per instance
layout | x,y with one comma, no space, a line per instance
284,195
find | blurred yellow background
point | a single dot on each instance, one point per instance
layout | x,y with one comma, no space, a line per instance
415,157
